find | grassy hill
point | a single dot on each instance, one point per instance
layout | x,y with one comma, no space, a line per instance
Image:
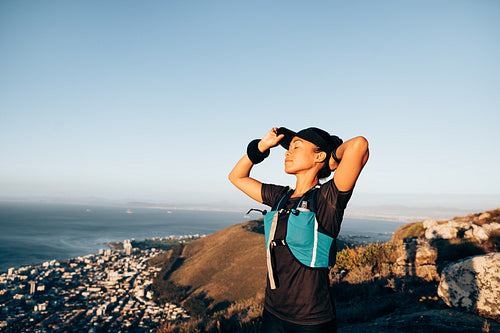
221,268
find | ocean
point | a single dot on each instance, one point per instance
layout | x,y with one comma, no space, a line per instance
32,233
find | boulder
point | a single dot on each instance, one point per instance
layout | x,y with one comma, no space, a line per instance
484,216
491,228
429,223
473,284
442,231
460,229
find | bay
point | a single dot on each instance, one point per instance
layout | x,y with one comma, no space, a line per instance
31,233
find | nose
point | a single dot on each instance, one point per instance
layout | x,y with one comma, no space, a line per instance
287,153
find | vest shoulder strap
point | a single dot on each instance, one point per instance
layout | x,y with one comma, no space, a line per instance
310,196
283,200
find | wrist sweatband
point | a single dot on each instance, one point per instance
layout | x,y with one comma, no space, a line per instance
334,155
254,154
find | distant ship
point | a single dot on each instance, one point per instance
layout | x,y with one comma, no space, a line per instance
129,211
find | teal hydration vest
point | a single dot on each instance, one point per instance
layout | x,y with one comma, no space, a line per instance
307,244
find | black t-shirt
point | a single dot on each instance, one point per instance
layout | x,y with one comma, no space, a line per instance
303,293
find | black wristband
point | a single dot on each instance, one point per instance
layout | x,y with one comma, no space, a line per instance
254,154
334,155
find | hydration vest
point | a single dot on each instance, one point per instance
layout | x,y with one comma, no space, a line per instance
310,246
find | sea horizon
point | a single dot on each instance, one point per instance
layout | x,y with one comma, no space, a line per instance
34,232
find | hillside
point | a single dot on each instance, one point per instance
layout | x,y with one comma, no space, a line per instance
387,287
221,268
228,265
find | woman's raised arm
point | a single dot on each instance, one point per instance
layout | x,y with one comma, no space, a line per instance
240,175
353,155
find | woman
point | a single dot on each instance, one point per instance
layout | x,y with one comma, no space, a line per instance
304,222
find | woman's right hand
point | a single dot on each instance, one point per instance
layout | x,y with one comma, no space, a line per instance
270,140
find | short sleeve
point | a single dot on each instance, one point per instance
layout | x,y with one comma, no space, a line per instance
330,207
272,193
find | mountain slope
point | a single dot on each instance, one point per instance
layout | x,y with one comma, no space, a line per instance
220,264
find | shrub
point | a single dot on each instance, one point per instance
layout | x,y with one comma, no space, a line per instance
370,255
196,306
374,255
359,275
347,259
415,230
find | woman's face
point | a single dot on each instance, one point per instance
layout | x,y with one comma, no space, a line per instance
300,156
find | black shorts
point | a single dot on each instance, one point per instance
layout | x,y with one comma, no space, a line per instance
272,324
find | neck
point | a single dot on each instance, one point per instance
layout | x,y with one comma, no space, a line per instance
304,184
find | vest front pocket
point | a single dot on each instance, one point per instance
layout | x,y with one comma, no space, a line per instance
307,244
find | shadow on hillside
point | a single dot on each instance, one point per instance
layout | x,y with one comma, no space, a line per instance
256,226
367,301
451,251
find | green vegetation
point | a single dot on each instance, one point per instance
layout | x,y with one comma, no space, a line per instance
162,244
409,230
376,255
415,230
157,244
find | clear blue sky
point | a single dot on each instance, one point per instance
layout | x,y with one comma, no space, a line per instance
157,100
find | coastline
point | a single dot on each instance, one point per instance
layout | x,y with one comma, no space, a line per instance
32,233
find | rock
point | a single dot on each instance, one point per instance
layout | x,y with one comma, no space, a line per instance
418,260
482,233
491,228
484,216
443,231
426,254
429,223
473,284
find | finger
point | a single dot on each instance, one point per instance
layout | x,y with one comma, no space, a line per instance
279,137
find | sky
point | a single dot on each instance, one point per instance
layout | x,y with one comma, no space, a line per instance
155,101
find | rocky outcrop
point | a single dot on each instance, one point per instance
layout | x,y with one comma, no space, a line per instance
419,259
434,244
460,228
473,284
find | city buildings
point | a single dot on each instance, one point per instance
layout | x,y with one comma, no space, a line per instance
105,292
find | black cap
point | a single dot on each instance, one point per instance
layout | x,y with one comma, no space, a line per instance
320,138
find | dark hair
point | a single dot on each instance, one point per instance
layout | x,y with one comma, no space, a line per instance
325,171
335,142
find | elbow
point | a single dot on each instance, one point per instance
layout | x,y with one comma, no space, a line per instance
361,144
231,177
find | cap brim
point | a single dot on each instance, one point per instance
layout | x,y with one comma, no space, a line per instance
287,139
